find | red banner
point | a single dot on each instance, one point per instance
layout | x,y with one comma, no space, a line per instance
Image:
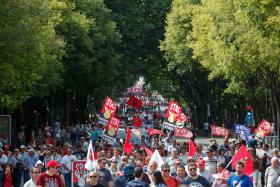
152,132
263,128
219,131
79,173
183,132
109,108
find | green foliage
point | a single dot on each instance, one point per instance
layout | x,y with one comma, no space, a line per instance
28,43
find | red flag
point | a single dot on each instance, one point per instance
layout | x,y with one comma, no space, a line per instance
183,132
244,156
192,148
128,147
148,151
137,122
134,102
152,132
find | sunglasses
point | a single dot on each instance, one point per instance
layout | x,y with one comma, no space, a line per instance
103,163
114,162
36,172
168,170
192,169
92,177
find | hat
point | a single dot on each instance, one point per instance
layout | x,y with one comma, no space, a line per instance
39,162
275,150
31,150
52,163
22,147
7,146
201,162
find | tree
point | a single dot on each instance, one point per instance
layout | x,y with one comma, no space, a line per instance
28,44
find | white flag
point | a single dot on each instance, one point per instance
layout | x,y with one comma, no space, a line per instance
157,158
90,163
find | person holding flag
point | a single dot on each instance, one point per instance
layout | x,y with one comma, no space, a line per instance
239,179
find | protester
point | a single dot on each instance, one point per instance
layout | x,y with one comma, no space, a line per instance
66,162
8,179
127,175
272,173
266,162
210,161
3,162
157,180
193,179
181,173
137,182
239,178
105,176
50,177
34,172
168,179
93,180
204,172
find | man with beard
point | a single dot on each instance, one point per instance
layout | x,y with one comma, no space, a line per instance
239,179
194,180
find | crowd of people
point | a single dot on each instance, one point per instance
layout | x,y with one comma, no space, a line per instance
47,161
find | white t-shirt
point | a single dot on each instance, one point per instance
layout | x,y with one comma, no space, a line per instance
272,175
211,164
29,183
206,174
67,161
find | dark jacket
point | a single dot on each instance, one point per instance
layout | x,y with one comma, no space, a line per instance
137,183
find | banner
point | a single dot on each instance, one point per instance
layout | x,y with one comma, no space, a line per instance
172,114
111,130
134,102
242,131
181,119
108,110
183,133
79,173
152,132
263,129
219,131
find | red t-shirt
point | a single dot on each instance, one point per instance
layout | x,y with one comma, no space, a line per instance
8,181
171,182
45,180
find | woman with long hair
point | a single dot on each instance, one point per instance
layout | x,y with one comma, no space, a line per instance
157,180
8,176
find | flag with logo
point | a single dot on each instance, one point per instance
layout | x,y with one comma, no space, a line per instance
172,115
108,110
183,133
219,131
181,119
90,162
134,102
263,129
244,156
111,130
